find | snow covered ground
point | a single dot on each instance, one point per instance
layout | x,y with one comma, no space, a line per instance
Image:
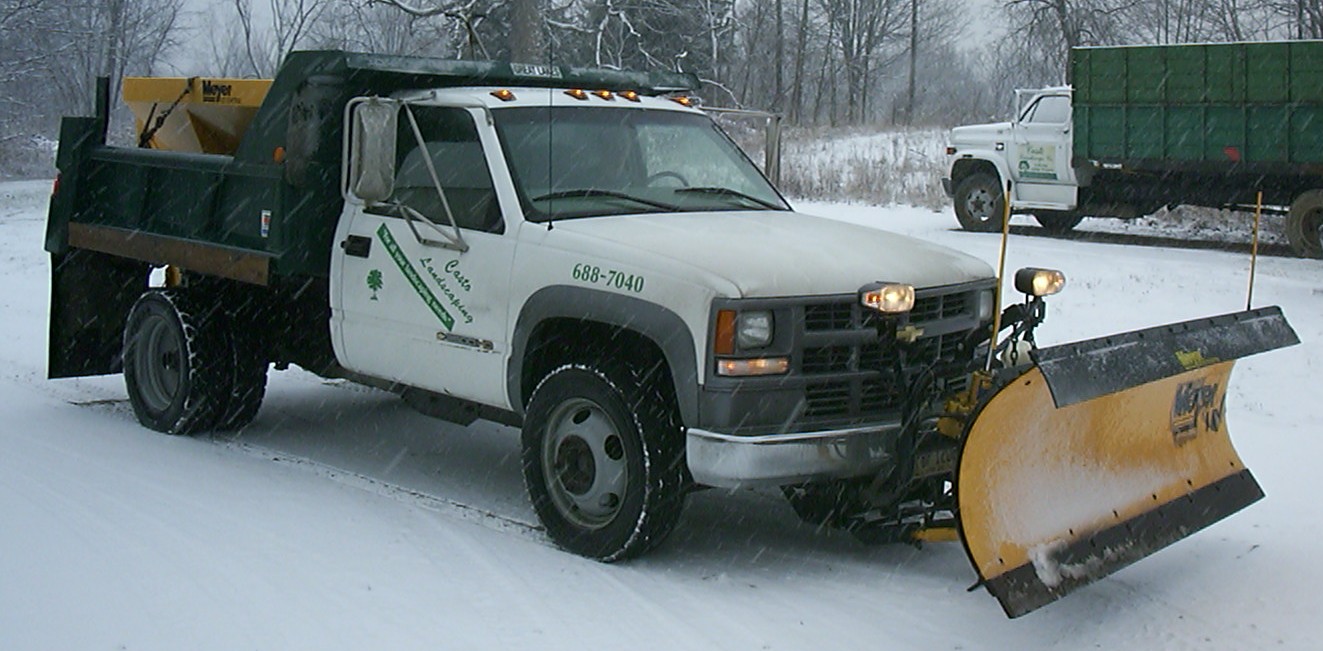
342,520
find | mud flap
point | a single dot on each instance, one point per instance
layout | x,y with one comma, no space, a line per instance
1103,452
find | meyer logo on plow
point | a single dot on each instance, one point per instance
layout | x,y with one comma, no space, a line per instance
1196,402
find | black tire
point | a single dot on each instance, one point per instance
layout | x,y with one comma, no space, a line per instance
979,203
826,504
248,388
1304,225
582,424
1058,222
178,364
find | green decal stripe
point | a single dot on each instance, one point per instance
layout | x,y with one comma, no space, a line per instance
411,274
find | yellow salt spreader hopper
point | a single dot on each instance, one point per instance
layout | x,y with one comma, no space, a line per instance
194,114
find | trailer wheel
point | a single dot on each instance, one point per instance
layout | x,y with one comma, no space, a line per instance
1058,222
978,203
603,461
1304,225
177,364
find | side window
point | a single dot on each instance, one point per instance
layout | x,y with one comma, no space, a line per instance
1053,109
451,143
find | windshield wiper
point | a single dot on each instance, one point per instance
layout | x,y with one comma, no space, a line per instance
594,192
731,193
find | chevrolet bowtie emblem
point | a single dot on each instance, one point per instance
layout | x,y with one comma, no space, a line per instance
909,334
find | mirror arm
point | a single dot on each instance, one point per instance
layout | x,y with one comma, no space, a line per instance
457,238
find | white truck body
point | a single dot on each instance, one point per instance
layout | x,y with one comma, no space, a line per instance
445,320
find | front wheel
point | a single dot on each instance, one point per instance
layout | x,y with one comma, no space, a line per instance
979,203
603,462
1304,225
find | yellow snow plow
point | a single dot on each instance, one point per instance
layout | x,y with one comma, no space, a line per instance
1058,466
1102,452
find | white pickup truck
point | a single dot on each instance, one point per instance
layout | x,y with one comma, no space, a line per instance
550,249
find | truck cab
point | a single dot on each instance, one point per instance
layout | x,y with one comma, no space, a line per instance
1030,154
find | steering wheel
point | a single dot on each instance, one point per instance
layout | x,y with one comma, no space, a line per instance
684,183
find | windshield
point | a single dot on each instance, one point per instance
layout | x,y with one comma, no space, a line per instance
584,162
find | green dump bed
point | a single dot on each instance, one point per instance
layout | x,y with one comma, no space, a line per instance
1206,106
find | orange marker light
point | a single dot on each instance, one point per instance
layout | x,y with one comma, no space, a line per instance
605,94
504,95
630,95
683,101
278,155
577,93
725,340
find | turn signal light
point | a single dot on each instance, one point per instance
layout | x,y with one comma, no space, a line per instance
748,367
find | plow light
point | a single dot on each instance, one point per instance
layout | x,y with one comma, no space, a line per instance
1039,282
888,298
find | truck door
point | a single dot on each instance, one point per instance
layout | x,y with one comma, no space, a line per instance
407,304
1040,154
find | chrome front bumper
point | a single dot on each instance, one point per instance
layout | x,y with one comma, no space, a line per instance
729,461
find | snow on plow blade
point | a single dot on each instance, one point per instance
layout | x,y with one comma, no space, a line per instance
1104,452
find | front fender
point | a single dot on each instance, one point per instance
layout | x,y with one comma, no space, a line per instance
660,325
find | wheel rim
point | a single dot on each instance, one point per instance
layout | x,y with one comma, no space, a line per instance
979,203
583,460
158,362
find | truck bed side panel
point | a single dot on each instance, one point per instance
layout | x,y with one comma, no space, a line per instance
1207,107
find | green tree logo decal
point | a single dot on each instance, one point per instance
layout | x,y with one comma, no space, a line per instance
374,282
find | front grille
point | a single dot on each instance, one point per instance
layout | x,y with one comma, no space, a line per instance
865,382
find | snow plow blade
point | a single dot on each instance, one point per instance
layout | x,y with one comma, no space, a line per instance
1103,452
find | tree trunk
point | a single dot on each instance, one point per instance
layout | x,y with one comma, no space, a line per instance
526,32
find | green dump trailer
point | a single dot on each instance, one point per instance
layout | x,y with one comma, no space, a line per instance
1205,124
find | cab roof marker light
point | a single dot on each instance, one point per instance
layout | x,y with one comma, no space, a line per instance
504,94
630,95
605,94
683,100
577,93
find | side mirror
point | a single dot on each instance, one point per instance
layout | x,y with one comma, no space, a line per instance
371,149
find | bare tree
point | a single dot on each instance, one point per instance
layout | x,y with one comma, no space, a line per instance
266,43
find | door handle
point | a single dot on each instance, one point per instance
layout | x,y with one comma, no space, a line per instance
357,246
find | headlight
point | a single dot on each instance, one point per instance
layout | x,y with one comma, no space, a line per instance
985,305
888,298
753,329
1039,282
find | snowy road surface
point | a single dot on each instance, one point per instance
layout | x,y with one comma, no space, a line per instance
342,520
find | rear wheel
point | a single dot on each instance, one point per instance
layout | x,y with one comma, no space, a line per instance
979,203
1304,225
603,461
1058,222
249,384
177,363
